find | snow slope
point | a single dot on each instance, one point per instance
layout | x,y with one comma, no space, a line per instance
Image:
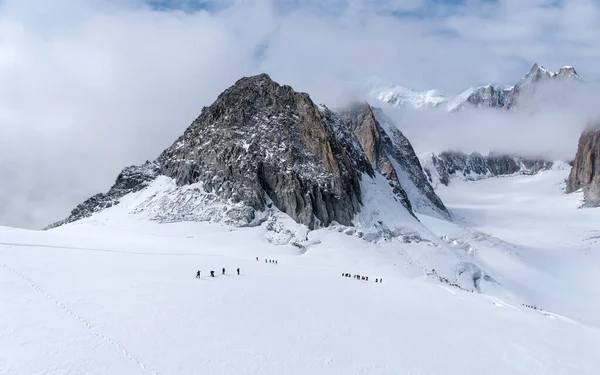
531,236
116,294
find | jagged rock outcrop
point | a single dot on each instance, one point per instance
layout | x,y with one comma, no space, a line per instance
441,168
130,180
585,173
507,98
390,153
489,96
261,144
261,141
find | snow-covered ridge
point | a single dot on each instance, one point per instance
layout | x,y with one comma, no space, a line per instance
399,96
443,167
490,96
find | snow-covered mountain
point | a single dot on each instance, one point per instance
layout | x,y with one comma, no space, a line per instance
265,174
488,96
401,96
262,146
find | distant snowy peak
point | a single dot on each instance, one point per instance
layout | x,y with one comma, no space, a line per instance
488,96
536,74
399,96
568,72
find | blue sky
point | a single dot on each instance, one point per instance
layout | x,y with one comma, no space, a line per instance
423,9
190,5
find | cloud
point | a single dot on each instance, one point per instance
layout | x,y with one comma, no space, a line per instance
91,86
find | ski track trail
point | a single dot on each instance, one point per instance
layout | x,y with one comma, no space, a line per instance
9,244
87,324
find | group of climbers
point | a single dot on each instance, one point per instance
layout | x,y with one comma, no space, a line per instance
212,273
359,277
268,261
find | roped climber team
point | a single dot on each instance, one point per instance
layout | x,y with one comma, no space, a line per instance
270,261
360,277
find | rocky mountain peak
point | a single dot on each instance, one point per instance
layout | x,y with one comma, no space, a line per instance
536,74
568,72
261,142
487,96
391,154
262,145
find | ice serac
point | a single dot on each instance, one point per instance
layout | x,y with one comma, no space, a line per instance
443,167
259,145
585,173
391,154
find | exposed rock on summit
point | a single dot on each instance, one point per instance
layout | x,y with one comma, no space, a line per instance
390,153
487,96
508,97
260,145
585,173
261,141
130,180
441,168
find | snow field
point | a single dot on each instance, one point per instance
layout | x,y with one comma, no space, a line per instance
117,294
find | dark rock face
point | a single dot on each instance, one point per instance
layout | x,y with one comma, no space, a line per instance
391,154
130,180
585,173
476,166
489,96
261,141
261,144
507,98
359,118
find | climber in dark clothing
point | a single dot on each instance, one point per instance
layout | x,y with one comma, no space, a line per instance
198,274
238,270
212,273
223,271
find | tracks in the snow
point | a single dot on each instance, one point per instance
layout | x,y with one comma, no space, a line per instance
101,250
82,320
